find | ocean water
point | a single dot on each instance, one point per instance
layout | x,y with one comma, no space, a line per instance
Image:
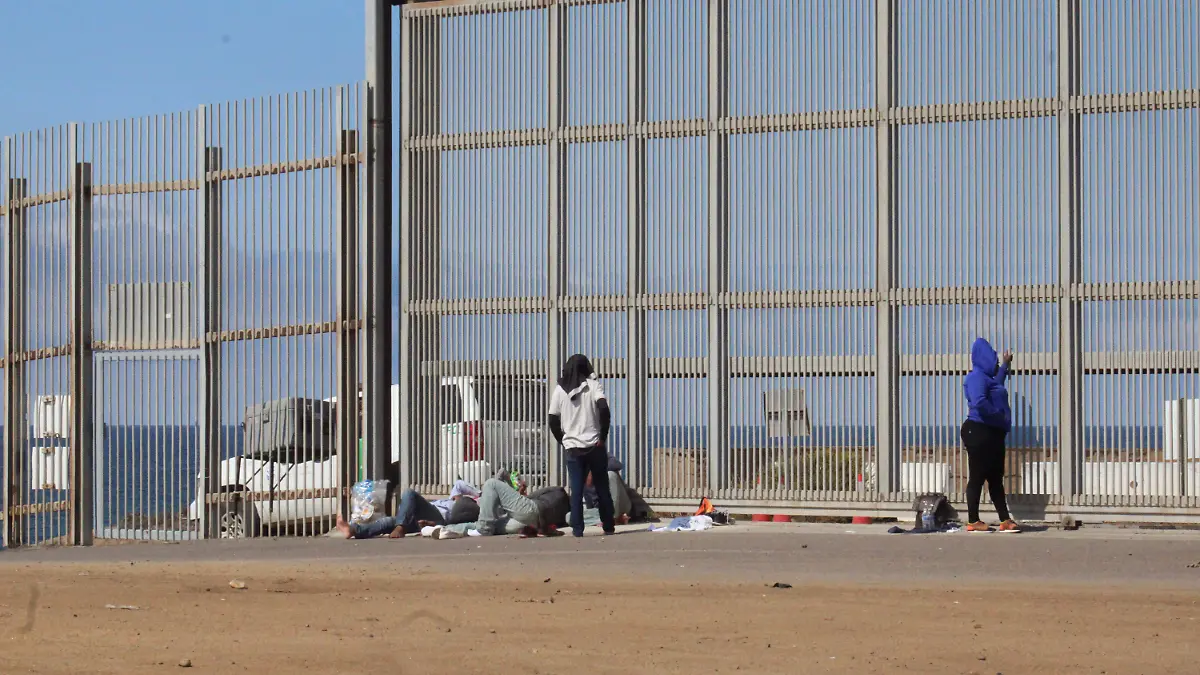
148,473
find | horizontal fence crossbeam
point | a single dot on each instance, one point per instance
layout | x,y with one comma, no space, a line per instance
448,8
224,175
945,113
953,295
911,365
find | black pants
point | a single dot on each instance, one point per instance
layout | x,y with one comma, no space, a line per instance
985,461
580,463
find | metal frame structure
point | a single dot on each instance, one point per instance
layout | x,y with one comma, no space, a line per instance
98,528
379,185
889,296
146,167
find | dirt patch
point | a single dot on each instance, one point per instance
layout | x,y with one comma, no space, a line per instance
323,617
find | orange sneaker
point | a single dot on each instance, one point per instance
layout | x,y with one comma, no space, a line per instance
979,526
1009,526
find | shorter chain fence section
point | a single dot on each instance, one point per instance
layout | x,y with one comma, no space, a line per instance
182,324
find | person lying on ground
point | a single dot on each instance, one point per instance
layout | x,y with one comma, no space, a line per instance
505,508
415,512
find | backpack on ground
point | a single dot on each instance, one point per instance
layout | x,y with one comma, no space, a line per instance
937,504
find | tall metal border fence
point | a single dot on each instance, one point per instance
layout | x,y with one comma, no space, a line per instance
776,227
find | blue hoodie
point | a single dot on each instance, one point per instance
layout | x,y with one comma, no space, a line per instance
984,388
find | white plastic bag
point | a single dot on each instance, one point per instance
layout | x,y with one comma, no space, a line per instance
367,501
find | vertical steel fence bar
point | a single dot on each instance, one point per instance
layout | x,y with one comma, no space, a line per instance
378,325
556,257
1070,357
348,402
1182,444
887,354
82,439
208,278
14,341
718,241
637,361
405,417
421,267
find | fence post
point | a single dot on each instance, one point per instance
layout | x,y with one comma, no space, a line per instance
377,398
1070,356
718,239
1181,442
15,426
556,257
349,405
420,249
208,248
404,416
83,439
636,370
887,356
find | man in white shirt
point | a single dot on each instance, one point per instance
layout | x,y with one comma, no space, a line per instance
580,419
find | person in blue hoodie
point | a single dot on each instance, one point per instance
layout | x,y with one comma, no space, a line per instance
989,420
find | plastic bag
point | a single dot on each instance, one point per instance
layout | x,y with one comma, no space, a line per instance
367,500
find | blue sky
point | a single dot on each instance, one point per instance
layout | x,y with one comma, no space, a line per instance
97,61
91,61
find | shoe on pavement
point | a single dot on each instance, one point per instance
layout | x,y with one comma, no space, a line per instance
1009,526
979,526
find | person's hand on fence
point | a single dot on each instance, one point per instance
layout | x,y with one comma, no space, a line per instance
1008,357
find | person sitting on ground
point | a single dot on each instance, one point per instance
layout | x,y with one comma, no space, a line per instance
628,505
616,487
415,512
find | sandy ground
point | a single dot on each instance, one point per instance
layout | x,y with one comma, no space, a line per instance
1109,602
